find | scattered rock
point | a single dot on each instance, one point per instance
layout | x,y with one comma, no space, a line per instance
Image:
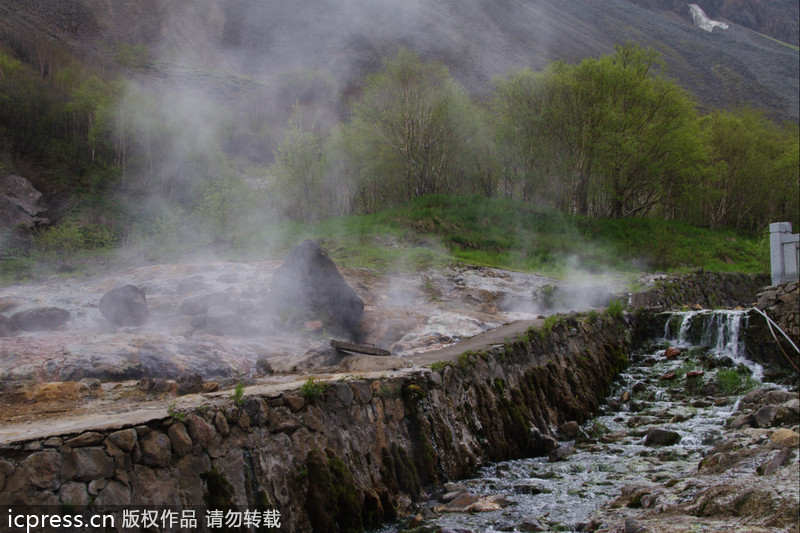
765,416
124,306
632,526
569,430
40,319
190,384
561,453
668,376
672,352
157,385
785,438
263,367
661,437
775,462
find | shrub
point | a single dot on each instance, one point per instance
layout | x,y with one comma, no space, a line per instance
312,389
615,308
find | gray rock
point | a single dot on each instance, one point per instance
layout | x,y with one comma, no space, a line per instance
308,286
201,431
124,439
632,526
90,438
114,493
661,437
561,453
569,430
73,493
181,442
86,464
6,469
124,306
156,449
344,393
40,319
20,203
765,416
96,486
221,423
43,469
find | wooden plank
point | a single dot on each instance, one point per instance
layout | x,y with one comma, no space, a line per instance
351,347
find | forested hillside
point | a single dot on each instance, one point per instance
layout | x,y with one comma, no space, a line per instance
194,122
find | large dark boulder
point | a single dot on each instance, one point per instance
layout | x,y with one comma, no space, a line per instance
308,286
40,319
124,306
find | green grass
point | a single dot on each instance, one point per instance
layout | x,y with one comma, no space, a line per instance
312,389
439,230
732,381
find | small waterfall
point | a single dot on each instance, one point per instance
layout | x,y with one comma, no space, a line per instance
686,323
719,331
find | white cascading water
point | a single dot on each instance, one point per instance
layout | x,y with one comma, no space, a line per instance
721,333
702,21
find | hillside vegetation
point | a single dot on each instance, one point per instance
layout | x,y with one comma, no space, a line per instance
609,145
440,230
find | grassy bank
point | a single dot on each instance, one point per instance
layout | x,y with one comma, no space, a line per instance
439,230
508,234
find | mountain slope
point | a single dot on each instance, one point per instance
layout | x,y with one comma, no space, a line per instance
478,39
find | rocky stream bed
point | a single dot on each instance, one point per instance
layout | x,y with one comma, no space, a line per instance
689,439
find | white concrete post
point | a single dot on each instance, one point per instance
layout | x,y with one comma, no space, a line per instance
783,252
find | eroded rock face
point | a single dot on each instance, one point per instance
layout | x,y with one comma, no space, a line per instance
40,319
19,203
124,306
308,286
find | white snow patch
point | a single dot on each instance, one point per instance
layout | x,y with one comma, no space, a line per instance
702,21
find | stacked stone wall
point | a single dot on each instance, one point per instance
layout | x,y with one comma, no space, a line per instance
702,289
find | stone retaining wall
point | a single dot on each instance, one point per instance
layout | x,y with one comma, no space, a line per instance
782,304
703,289
349,455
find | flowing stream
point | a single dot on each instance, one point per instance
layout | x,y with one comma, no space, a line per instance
610,450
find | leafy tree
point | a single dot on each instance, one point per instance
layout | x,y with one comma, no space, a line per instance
753,177
408,133
605,137
299,171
